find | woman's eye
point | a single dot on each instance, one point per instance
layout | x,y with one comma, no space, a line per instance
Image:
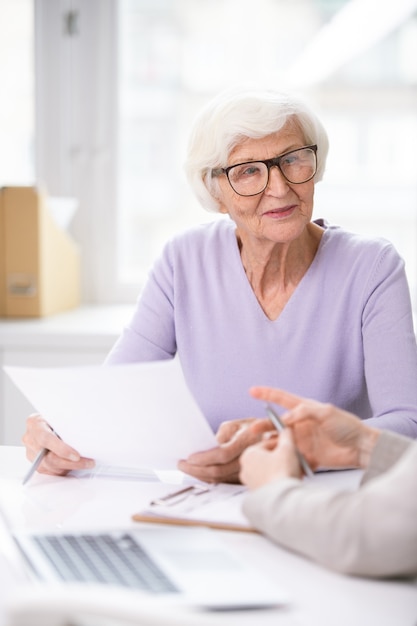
251,170
248,170
290,159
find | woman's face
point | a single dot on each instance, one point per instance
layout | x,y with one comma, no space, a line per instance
281,212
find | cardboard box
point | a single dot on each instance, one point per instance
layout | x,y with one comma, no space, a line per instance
39,261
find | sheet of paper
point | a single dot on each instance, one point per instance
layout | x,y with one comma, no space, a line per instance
220,505
134,415
209,503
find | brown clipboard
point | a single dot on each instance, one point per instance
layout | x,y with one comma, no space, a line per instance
154,518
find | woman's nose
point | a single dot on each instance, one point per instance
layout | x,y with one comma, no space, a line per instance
277,183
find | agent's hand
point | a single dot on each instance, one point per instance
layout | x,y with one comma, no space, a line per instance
273,458
61,458
221,464
326,435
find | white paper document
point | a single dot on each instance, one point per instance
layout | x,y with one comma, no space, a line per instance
133,415
218,505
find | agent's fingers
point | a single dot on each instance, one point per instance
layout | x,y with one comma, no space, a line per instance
261,426
278,396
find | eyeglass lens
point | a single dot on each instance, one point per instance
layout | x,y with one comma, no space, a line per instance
249,179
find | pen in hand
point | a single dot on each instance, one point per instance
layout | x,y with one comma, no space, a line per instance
35,465
275,419
38,460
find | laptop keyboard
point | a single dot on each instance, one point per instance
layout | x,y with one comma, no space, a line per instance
104,558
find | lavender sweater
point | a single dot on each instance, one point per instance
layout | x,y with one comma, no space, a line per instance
345,336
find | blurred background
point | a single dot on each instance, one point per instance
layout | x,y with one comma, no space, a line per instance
98,96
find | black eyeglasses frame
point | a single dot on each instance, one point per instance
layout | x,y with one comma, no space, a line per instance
274,162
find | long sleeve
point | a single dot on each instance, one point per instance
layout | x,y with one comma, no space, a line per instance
151,335
369,532
389,448
387,328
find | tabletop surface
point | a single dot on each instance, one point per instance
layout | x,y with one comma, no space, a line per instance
317,597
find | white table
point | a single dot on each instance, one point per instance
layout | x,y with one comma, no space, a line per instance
317,597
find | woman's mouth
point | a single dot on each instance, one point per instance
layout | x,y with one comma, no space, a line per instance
281,212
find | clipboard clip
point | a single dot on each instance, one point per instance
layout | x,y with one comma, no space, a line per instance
178,496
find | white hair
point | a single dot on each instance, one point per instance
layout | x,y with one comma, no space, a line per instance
235,115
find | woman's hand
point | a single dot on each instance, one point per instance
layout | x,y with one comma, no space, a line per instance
221,464
275,457
61,458
326,435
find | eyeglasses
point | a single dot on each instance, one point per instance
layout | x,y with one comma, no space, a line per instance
252,177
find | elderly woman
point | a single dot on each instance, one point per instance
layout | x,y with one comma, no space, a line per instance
266,295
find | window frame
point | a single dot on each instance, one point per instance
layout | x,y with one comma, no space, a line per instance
76,116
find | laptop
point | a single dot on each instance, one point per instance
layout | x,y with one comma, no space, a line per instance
186,566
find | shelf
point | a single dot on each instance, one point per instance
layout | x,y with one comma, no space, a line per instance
84,327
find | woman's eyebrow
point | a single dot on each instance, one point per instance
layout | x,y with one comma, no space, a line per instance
251,159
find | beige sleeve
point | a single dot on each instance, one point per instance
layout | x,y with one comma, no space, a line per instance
388,450
369,532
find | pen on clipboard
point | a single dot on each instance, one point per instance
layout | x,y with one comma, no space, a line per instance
179,496
275,419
